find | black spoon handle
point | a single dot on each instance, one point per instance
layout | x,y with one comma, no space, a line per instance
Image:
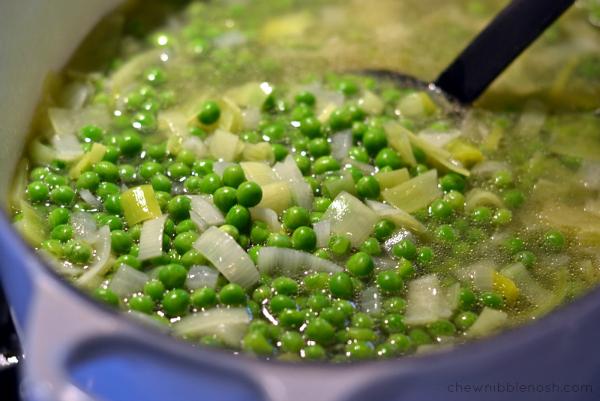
517,25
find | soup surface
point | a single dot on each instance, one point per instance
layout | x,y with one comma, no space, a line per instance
215,171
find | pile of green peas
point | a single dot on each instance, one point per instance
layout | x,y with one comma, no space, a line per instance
315,316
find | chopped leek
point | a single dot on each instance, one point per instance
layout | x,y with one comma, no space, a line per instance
229,325
226,255
345,184
414,194
291,263
505,287
404,220
102,261
67,121
201,276
223,146
488,321
371,104
340,144
526,284
323,231
95,155
391,179
464,152
398,140
175,124
371,302
259,172
140,204
267,216
426,301
276,196
84,227
67,147
41,153
207,211
417,105
151,238
34,227
128,72
128,281
258,152
350,217
252,94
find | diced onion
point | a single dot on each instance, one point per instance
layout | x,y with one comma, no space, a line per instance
404,220
371,104
201,276
227,256
350,217
344,184
128,281
207,211
229,39
34,226
291,263
129,71
101,263
322,230
267,216
364,168
390,179
229,325
487,169
84,227
258,152
151,238
68,122
531,289
76,94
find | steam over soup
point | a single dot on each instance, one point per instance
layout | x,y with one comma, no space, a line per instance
218,174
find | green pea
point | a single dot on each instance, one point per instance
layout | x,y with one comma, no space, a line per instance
452,182
210,183
310,127
390,281
38,191
225,198
400,342
514,198
232,294
455,199
279,151
466,299
113,205
39,173
233,176
388,157
341,286
374,140
491,300
90,133
419,337
295,217
262,294
76,252
148,170
173,275
62,232
319,147
446,234
303,164
179,208
513,246
360,350
359,153
554,240
176,302
321,253
107,188
231,230
384,228
320,331
130,144
193,257
274,132
368,187
339,244
465,320
525,257
280,302
121,241
58,217
106,296
184,241
291,318
128,260
405,249
210,113
62,195
405,268
362,321
371,246
157,152
239,217
54,246
481,216
314,352
161,182
360,264
425,255
259,232
395,305
502,179
393,323
304,239
113,222
441,210
502,217
384,351
291,342
305,97
142,303
441,328
249,194
316,283
284,285
347,87
325,164
203,168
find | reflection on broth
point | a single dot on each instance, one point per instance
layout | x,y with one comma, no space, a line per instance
213,170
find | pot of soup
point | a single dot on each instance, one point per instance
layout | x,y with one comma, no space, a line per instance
202,201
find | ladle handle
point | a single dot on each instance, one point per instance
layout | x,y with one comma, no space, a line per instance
511,32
